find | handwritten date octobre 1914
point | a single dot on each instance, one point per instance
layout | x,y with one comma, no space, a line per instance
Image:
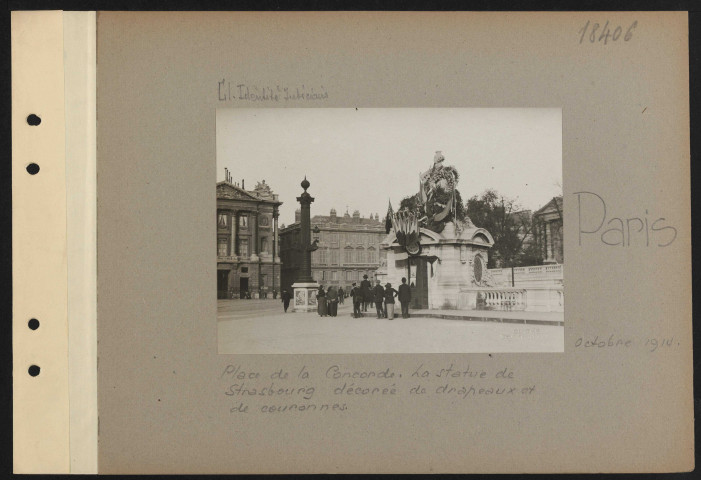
652,344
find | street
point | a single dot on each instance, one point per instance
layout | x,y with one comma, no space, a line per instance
261,327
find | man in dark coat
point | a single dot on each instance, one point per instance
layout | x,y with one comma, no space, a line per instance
390,293
285,299
404,297
341,294
321,301
366,288
332,301
379,294
357,295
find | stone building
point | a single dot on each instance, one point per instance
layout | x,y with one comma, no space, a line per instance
247,236
349,247
547,227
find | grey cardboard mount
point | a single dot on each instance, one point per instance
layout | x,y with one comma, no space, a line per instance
601,406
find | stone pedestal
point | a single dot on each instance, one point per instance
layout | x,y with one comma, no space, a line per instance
451,275
450,255
304,296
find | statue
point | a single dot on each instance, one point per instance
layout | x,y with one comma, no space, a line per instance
436,197
432,208
263,190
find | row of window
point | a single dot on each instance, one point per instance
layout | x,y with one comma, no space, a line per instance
324,256
223,220
349,238
335,239
223,246
336,275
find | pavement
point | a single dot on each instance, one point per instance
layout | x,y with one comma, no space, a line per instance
261,327
529,318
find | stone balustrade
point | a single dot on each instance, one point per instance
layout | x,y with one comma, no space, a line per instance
538,275
529,299
504,299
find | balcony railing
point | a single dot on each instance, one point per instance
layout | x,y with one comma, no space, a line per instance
267,256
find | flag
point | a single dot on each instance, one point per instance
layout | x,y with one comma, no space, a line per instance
388,218
422,193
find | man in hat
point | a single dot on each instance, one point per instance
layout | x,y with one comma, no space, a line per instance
357,296
404,297
366,287
390,293
379,294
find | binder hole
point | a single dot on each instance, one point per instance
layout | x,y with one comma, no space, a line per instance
33,120
33,324
34,370
32,168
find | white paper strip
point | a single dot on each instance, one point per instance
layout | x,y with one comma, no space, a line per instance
40,403
79,61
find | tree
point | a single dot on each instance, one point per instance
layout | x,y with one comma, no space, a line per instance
509,225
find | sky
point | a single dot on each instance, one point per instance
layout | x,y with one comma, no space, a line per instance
360,158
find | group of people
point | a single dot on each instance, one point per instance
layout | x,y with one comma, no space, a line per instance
327,299
382,297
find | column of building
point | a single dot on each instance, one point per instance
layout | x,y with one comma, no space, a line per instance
276,248
276,239
253,228
544,239
234,226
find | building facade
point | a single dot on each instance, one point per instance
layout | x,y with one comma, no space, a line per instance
547,230
248,262
349,247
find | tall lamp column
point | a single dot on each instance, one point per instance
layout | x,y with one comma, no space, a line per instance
305,287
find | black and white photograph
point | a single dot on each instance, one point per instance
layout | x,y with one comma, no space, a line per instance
389,230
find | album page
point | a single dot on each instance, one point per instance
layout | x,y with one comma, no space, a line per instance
445,243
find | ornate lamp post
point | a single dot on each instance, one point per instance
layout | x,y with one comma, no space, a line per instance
305,287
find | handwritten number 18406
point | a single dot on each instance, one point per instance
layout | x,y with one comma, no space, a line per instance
594,32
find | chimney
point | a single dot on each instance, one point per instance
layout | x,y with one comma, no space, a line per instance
243,184
333,217
298,215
